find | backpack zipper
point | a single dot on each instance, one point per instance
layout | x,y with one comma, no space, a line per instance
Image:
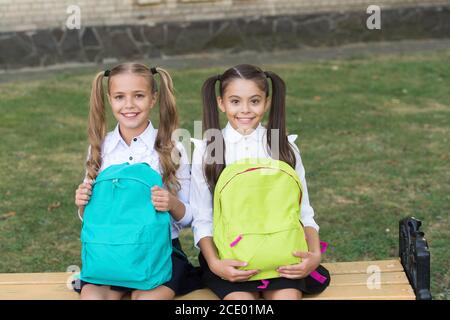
253,169
115,181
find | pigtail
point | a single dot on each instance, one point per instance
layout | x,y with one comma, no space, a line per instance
277,119
168,122
96,126
212,169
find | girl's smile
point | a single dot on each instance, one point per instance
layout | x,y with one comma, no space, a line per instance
131,100
245,120
130,114
244,104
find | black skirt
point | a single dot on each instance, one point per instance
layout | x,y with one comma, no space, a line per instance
223,287
185,277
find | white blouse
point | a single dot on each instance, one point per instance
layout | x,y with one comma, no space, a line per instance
237,146
116,151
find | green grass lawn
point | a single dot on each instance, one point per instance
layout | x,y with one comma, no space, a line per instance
373,132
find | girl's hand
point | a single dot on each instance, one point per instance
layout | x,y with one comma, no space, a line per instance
227,270
162,199
310,262
83,194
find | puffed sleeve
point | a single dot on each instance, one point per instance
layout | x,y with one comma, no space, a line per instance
306,210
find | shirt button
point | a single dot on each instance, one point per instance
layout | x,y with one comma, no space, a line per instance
135,139
131,158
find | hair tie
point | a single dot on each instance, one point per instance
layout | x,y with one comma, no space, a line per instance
153,70
219,77
107,72
267,74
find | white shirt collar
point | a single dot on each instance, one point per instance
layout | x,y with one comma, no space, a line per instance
148,137
232,135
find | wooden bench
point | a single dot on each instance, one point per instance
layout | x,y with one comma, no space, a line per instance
402,278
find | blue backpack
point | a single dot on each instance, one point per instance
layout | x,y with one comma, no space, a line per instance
125,242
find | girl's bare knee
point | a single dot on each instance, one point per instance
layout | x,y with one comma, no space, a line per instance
159,293
283,294
93,292
242,296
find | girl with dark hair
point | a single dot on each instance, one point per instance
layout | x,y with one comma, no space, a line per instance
245,94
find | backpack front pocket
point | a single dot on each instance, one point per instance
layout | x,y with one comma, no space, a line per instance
266,252
126,254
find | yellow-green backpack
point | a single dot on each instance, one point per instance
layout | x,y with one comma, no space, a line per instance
256,215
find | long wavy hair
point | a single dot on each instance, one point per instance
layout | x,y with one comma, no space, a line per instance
168,120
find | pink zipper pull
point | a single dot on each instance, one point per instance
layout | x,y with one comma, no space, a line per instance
265,284
235,242
317,276
323,246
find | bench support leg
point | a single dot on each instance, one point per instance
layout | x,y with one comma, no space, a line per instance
415,256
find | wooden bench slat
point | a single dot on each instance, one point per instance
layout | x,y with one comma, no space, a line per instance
361,266
334,268
37,292
386,292
348,282
359,279
61,292
61,278
33,278
202,294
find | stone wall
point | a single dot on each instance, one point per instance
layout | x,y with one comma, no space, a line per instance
34,33
25,15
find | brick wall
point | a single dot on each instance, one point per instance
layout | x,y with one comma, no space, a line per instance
33,33
25,15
